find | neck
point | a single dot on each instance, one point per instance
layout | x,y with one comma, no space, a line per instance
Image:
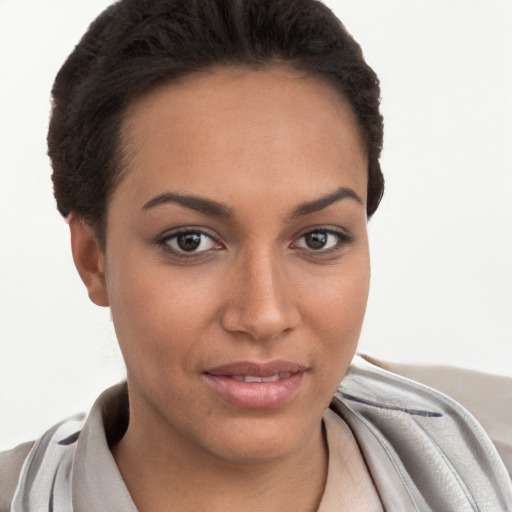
167,472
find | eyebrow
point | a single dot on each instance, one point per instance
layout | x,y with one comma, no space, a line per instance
319,204
211,207
197,203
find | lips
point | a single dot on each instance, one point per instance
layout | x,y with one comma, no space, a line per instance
256,386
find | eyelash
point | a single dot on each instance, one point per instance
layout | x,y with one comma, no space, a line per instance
342,240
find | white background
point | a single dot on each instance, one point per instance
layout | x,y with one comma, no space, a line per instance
441,240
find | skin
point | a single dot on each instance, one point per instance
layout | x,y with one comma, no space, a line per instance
261,143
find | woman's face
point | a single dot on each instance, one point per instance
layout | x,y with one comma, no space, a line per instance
236,263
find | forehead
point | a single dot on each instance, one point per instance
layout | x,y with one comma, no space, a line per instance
252,129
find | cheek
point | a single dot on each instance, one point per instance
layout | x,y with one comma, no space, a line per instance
337,300
335,317
158,312
339,320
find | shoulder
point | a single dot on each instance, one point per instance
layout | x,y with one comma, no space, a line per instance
39,475
425,438
487,397
11,462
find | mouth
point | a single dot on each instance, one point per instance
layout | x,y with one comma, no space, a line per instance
256,386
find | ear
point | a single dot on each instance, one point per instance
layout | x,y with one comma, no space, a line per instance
89,259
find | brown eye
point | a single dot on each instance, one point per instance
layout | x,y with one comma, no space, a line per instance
316,240
192,242
188,241
322,240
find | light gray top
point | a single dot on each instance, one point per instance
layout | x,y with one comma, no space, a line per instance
424,452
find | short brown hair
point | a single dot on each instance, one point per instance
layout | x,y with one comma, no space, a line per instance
136,45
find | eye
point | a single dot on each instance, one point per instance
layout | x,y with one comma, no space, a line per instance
322,240
189,241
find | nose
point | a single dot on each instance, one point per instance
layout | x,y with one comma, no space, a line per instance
261,302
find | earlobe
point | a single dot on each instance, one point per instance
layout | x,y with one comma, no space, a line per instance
89,259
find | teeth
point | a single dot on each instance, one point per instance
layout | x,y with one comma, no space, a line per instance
256,378
252,378
272,378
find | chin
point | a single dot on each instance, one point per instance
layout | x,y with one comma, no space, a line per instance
257,440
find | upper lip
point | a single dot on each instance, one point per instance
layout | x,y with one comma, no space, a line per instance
256,369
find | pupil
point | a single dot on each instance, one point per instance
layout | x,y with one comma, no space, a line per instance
189,241
316,240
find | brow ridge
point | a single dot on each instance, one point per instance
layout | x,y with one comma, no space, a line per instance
316,205
197,203
211,207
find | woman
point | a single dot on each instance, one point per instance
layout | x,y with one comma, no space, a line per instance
217,163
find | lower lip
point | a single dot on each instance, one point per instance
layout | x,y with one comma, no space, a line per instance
255,395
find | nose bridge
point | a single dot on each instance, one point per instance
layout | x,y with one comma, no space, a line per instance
263,281
261,305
